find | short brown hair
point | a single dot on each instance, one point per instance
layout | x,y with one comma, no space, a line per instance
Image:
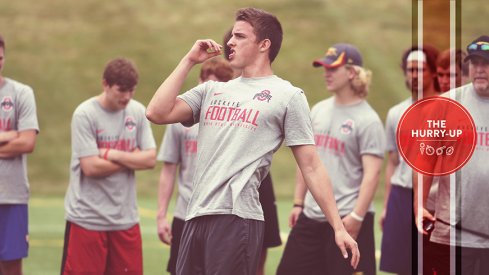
2,42
226,38
121,72
216,66
443,60
265,26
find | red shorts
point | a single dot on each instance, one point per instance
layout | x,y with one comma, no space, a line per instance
102,252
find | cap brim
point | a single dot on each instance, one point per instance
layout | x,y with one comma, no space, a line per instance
476,54
321,63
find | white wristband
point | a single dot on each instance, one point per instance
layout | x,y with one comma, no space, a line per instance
355,216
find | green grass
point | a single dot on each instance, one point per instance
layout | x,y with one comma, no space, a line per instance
47,225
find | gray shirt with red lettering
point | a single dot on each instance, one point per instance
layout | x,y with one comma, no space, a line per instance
343,135
17,112
105,203
241,124
179,146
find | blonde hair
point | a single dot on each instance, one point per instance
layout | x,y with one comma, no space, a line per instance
361,81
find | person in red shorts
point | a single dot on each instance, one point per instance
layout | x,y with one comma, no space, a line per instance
111,138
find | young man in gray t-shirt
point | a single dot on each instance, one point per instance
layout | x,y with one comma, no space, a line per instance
178,151
242,123
396,219
18,132
111,138
350,141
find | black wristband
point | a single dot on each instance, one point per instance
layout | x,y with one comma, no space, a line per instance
298,205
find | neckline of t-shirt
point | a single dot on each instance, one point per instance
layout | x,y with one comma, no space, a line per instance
5,80
99,105
251,79
343,106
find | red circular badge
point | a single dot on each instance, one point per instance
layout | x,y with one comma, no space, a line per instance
436,136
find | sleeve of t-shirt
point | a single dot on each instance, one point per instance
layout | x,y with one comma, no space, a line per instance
27,117
145,134
390,132
83,139
297,124
372,139
194,98
170,146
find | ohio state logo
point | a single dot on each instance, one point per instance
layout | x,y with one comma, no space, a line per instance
347,127
263,95
7,104
129,123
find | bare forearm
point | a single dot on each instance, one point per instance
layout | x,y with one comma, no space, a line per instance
371,171
97,167
24,143
136,160
317,180
300,188
161,105
165,190
392,163
8,136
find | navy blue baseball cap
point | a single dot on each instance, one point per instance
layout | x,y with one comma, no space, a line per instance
479,47
338,55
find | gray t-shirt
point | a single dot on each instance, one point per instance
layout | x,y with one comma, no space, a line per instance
179,146
105,203
17,112
474,181
242,123
343,135
403,174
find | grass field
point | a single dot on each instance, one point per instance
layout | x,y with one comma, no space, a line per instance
47,226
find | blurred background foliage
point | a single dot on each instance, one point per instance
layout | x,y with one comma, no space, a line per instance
60,47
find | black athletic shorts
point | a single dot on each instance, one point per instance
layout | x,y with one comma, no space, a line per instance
176,231
311,249
220,244
267,200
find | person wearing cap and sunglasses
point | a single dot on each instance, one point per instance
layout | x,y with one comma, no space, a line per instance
349,138
472,200
397,220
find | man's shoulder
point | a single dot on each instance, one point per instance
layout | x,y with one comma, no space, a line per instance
86,106
286,85
323,103
400,107
17,86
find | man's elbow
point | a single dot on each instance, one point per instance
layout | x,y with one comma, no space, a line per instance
155,117
88,171
30,146
151,163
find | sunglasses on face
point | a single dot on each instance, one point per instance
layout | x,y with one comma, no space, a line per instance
474,46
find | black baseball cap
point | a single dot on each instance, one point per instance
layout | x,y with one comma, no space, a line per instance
338,55
479,47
